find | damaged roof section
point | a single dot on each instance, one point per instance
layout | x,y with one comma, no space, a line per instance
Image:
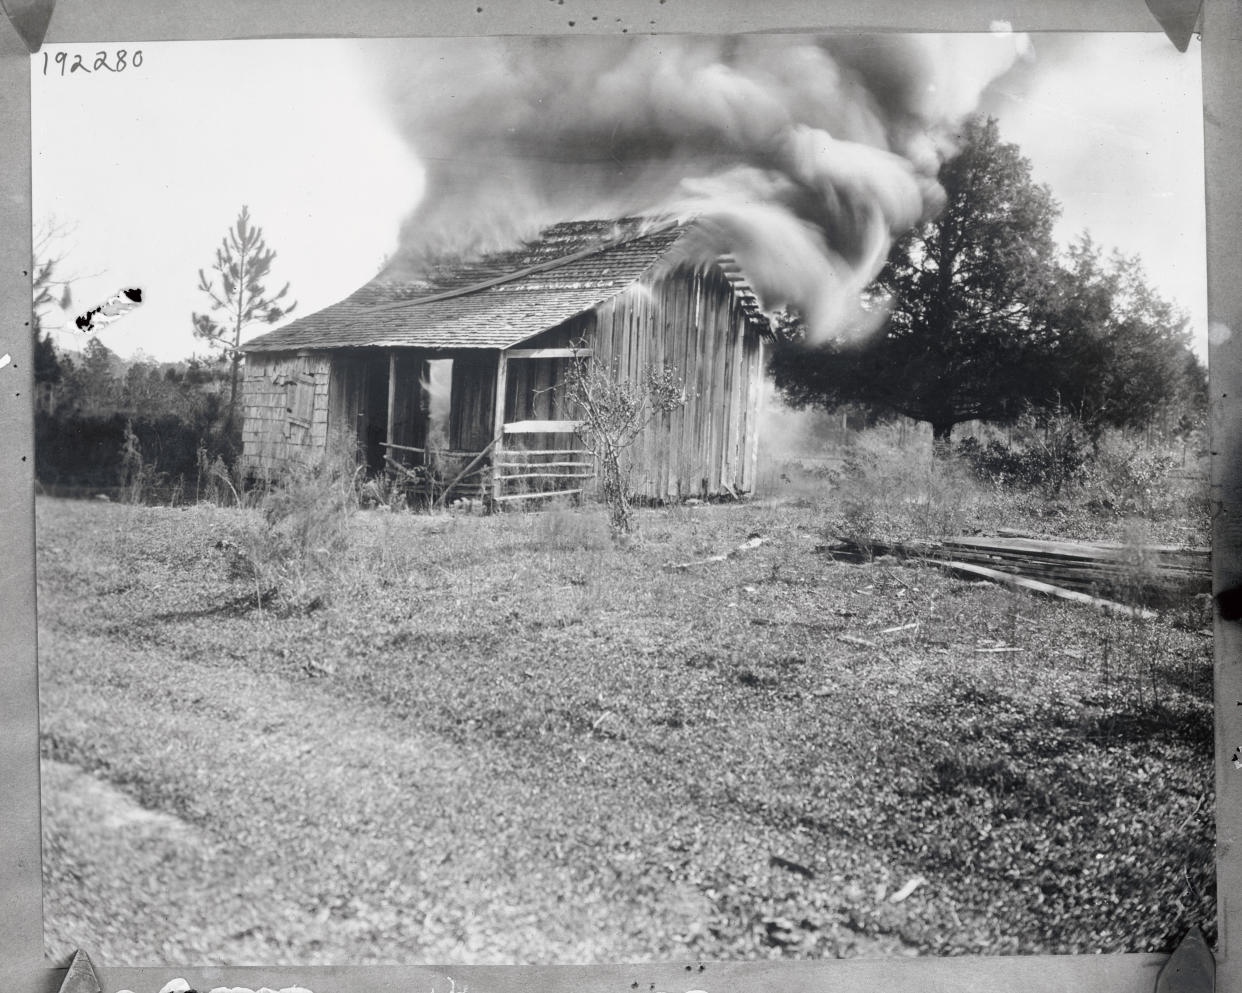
503,298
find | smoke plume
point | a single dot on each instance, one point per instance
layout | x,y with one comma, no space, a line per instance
803,157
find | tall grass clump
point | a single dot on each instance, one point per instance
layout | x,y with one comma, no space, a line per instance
902,495
293,548
136,475
561,527
218,482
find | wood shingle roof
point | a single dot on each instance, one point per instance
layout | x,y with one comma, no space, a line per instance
496,301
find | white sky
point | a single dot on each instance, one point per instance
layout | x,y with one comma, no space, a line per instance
148,168
1114,125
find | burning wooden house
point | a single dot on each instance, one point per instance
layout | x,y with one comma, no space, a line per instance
452,381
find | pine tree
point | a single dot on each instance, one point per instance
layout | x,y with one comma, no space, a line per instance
243,265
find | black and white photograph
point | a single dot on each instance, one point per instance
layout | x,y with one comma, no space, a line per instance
622,498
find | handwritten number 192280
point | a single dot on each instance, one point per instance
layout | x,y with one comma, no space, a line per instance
117,61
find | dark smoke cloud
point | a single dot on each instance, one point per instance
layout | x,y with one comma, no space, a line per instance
803,156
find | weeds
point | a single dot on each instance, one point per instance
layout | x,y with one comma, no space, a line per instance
136,475
219,483
1125,478
560,527
385,491
292,550
887,496
1113,478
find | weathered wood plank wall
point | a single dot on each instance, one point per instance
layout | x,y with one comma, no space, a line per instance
470,416
688,318
410,400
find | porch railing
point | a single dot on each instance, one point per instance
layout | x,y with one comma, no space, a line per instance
517,470
432,475
523,471
511,474
540,473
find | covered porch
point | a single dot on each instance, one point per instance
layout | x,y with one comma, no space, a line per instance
429,419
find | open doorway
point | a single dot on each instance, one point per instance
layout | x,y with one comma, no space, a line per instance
437,389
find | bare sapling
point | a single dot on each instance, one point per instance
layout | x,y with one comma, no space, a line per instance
613,412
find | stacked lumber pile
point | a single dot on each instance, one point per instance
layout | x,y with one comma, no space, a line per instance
1153,575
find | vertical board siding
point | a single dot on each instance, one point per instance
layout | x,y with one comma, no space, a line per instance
648,472
689,319
717,413
703,375
755,409
409,401
471,396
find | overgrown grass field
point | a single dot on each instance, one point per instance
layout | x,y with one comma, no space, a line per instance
509,739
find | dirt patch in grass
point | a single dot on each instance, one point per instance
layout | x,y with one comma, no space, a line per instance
506,740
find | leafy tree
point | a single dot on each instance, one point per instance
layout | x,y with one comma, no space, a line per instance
1126,357
1191,411
92,383
988,324
965,339
49,289
243,265
47,366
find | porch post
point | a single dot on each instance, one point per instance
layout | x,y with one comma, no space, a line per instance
392,397
498,413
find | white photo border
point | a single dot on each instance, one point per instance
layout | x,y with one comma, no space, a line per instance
22,964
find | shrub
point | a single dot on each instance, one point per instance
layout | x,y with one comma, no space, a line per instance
1049,455
99,452
1126,478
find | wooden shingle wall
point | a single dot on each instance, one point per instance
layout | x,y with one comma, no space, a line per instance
285,410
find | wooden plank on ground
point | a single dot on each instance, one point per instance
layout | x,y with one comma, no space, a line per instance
752,542
1078,565
1073,549
1035,586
